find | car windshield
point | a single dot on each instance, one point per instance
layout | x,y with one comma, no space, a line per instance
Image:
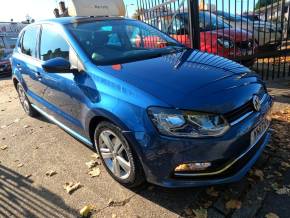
109,42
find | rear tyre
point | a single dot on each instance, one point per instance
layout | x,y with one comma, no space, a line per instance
26,105
118,157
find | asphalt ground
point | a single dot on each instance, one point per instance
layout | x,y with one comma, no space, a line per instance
37,159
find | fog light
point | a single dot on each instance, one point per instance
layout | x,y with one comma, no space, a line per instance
192,167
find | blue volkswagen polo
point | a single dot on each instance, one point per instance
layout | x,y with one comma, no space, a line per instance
153,109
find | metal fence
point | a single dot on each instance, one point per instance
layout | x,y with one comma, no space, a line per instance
255,33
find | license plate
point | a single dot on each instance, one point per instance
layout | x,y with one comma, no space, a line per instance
259,131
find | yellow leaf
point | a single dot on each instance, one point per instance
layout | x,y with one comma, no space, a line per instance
20,165
233,204
85,211
70,187
200,213
96,156
271,215
91,164
4,147
50,173
258,173
210,191
95,172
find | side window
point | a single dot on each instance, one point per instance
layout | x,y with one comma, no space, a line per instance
1,43
52,44
29,41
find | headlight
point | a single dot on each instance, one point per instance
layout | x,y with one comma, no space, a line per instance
226,43
181,123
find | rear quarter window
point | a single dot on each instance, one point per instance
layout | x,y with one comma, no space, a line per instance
29,41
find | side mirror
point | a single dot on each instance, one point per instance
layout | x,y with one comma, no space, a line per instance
57,65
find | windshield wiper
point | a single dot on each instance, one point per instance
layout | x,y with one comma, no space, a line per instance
175,44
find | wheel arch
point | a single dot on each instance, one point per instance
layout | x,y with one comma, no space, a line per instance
96,116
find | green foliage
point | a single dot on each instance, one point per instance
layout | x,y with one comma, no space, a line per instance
263,3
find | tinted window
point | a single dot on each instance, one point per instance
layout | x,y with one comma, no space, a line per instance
29,41
52,44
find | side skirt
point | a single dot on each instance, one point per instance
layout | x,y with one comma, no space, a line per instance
67,129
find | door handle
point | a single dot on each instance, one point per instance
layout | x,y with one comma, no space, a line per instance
37,75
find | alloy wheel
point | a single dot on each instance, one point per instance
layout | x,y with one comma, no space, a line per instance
114,154
23,99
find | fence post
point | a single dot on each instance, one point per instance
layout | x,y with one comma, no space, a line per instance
193,22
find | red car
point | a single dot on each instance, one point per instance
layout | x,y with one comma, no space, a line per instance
215,36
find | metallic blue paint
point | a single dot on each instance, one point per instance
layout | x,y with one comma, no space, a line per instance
189,80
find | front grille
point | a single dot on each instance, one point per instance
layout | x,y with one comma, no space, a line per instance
239,112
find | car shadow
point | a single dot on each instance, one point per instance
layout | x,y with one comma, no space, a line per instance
20,198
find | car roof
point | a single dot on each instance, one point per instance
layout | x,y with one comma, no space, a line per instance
79,19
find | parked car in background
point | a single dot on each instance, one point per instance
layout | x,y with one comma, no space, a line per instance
264,33
216,36
171,115
8,38
276,25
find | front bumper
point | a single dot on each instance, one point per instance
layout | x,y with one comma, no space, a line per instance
5,69
160,155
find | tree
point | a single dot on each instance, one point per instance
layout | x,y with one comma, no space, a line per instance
263,3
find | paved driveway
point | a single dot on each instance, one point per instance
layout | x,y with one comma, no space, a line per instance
30,148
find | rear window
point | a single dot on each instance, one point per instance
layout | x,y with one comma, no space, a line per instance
29,41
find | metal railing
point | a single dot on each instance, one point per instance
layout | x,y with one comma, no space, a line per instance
252,32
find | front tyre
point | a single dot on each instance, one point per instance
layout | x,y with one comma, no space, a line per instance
29,110
119,159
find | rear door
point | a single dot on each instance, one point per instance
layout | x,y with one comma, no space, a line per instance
26,62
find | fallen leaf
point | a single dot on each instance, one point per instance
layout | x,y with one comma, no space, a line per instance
85,211
275,186
91,164
277,173
150,188
50,173
95,155
283,191
200,213
271,215
70,187
4,147
113,203
114,215
233,204
285,164
26,126
27,176
95,172
211,192
3,127
16,120
258,173
20,165
188,211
